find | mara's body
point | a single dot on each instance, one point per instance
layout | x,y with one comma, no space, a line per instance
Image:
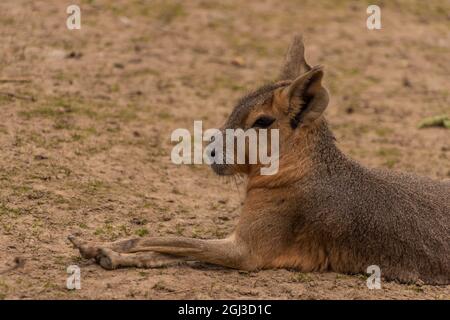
338,215
321,211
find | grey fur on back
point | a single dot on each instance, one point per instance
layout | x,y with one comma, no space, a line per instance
398,221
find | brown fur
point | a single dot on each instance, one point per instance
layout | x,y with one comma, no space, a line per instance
321,211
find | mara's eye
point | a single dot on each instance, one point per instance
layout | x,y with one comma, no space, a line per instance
263,122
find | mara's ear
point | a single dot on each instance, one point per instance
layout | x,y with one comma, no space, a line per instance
307,98
295,63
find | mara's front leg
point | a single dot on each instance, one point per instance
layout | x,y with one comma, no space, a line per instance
143,252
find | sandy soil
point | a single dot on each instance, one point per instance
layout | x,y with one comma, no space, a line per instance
85,138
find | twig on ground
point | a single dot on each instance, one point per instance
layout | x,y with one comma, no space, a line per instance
17,96
15,80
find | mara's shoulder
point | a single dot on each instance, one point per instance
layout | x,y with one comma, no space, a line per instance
411,180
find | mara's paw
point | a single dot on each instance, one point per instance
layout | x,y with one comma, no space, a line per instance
87,250
107,258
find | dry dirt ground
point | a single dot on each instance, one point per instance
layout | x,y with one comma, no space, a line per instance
85,137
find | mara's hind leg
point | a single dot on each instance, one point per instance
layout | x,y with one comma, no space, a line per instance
227,252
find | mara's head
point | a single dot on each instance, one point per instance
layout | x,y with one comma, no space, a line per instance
294,105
